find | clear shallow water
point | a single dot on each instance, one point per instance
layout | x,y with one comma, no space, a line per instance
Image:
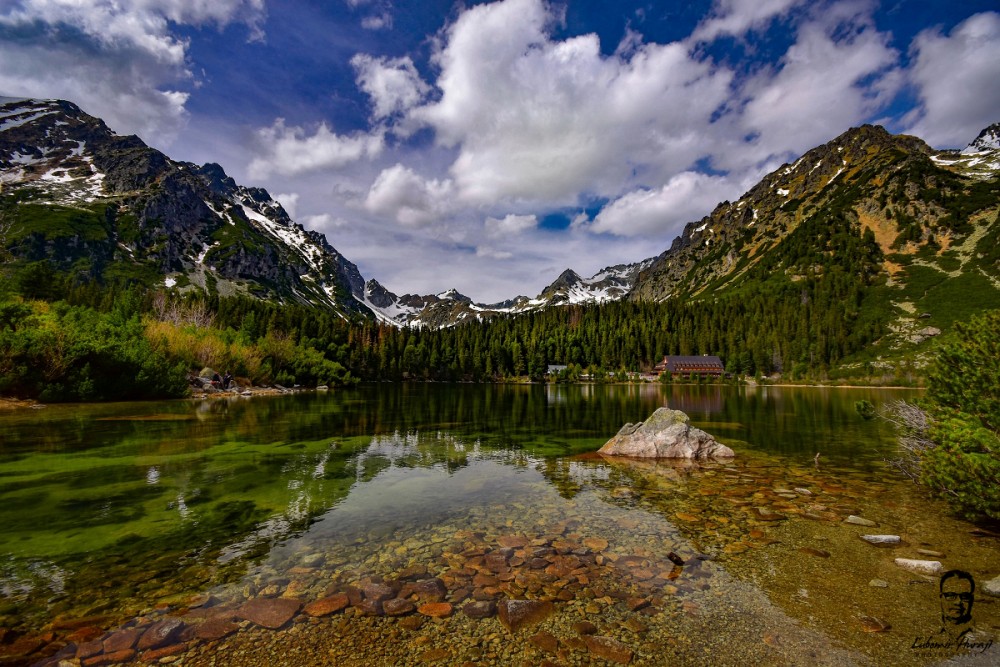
110,511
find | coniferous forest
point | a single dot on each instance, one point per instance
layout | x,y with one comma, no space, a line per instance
798,313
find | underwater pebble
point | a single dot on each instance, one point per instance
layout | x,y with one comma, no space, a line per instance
881,539
992,587
859,521
928,567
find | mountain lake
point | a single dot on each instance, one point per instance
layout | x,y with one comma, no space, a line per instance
408,524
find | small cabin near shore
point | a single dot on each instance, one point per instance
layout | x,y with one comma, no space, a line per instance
705,365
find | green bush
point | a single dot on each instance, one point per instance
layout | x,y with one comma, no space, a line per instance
63,353
964,464
963,406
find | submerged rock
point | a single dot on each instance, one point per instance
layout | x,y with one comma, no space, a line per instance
270,613
667,434
928,567
518,614
873,624
881,540
992,587
860,521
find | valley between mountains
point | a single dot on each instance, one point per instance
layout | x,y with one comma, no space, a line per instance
876,243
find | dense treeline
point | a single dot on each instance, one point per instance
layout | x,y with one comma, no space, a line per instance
803,309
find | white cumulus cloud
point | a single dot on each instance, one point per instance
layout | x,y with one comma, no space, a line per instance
292,150
839,71
736,17
659,212
957,78
541,120
510,225
393,84
121,60
400,193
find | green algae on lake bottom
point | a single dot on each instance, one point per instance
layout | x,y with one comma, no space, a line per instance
297,496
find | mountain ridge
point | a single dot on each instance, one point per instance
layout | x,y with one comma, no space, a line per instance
98,203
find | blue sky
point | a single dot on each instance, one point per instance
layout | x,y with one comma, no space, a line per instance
488,146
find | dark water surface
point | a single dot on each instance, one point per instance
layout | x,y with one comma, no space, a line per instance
112,511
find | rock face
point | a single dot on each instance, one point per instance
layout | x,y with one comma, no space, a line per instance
667,434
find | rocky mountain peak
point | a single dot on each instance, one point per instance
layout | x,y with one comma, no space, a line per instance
988,140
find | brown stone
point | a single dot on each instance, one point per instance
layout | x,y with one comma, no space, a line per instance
23,646
74,623
635,604
545,641
87,649
354,594
122,640
157,653
436,609
398,607
595,543
482,580
413,571
328,605
609,649
85,634
108,658
378,592
517,614
495,562
215,628
480,609
269,612
426,590
412,623
434,655
512,541
159,634
635,625
369,608
764,514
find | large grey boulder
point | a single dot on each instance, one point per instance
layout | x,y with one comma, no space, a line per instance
667,434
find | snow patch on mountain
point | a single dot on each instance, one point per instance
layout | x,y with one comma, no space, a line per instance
988,140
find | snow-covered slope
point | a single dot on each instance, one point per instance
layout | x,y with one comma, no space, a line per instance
85,192
451,307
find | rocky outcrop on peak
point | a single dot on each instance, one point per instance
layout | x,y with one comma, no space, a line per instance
137,212
847,175
988,140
